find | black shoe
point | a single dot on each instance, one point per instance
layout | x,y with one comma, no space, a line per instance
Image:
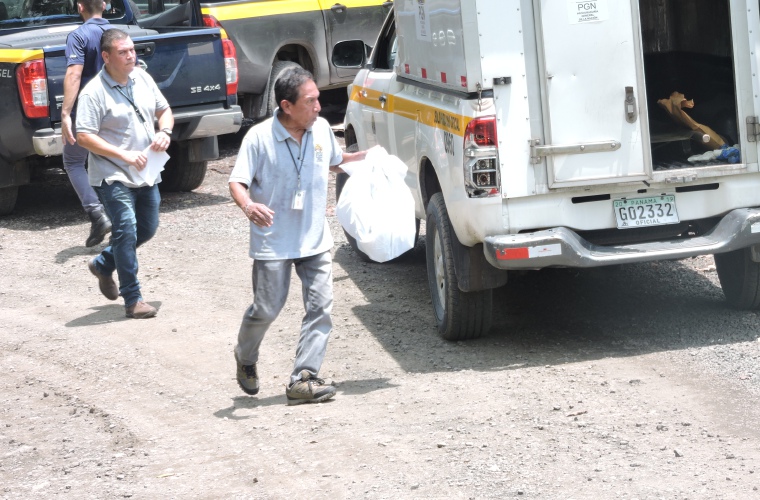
100,227
247,378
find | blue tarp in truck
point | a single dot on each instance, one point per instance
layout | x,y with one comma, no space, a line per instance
194,66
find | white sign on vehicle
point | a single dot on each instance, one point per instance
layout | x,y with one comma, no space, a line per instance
423,21
588,11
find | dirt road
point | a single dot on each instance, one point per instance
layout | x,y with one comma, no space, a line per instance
627,382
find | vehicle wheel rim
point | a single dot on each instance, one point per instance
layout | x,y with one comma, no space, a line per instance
440,276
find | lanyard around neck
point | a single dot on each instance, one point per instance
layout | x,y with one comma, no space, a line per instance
303,156
129,96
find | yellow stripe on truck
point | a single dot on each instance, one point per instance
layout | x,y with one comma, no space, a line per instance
19,55
405,108
245,10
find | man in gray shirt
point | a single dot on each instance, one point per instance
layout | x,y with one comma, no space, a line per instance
280,181
116,113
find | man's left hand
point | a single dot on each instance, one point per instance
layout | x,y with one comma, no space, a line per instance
160,142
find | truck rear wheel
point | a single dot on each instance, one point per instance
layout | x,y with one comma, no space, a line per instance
740,278
8,197
181,174
460,315
278,68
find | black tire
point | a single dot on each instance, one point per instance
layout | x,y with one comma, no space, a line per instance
740,278
278,68
459,315
8,197
181,174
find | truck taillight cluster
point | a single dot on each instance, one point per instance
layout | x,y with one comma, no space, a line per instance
230,55
481,157
32,87
230,66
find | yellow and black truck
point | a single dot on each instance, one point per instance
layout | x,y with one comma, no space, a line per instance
272,35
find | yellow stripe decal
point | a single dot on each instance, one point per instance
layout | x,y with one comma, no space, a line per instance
405,108
19,55
245,10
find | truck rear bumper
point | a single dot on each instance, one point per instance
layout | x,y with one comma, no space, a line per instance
562,247
192,124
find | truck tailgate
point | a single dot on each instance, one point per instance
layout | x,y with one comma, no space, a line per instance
187,65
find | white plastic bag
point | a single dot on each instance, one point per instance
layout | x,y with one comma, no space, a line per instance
376,206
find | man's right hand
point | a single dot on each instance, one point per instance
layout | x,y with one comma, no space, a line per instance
135,158
68,134
259,214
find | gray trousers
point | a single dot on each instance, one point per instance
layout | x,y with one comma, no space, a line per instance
271,281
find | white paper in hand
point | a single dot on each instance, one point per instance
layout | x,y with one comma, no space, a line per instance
154,166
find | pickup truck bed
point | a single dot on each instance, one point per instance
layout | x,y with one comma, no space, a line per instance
192,65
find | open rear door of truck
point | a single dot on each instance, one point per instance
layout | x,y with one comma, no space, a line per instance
592,91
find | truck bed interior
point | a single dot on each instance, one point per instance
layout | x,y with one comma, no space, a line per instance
688,49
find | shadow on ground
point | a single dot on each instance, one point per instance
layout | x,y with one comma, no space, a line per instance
549,317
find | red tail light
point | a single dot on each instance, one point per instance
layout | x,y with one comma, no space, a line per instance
230,55
230,66
481,132
482,175
210,21
32,87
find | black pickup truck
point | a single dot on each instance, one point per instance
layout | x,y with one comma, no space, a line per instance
194,66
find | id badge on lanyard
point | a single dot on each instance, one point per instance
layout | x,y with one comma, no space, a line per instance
299,195
298,199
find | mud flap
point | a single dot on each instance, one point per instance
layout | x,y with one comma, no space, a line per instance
474,273
14,174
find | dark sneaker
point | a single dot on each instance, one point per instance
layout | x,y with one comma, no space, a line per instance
247,378
141,310
106,283
309,389
100,227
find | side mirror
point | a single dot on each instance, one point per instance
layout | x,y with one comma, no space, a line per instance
349,54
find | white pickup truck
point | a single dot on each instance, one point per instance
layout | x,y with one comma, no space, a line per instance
555,133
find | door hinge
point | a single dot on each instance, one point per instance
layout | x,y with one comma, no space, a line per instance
537,150
753,129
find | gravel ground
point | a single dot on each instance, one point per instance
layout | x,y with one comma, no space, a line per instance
624,382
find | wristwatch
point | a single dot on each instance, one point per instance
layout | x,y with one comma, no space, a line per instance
167,131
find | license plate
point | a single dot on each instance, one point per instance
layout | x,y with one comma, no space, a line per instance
643,212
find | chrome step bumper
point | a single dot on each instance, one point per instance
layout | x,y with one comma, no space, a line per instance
562,247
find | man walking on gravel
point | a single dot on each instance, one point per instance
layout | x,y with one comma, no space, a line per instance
117,110
280,182
83,61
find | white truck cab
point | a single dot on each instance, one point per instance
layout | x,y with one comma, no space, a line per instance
567,133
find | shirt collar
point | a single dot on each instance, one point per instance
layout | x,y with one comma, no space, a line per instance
96,20
278,129
110,81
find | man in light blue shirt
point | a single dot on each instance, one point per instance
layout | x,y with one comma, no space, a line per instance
280,182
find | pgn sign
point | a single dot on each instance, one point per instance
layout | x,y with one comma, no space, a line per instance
586,11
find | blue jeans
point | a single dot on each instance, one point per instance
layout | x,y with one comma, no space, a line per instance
134,216
271,281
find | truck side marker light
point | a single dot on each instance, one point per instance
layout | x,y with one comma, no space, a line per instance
406,69
424,73
464,81
443,77
528,252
